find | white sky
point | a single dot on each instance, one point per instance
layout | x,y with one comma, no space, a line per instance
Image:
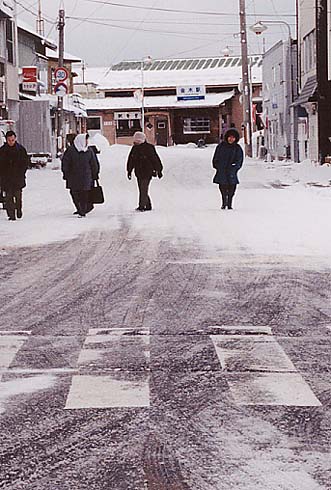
183,34
279,208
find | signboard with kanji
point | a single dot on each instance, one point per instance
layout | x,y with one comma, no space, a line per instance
191,92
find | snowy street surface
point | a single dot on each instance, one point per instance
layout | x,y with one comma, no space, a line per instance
187,348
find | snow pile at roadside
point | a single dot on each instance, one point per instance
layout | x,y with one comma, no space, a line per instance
280,207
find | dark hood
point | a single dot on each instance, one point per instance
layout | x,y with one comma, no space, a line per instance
232,132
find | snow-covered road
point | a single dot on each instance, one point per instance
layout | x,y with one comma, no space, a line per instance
186,348
280,208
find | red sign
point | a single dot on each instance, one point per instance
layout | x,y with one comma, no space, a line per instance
61,74
29,74
61,89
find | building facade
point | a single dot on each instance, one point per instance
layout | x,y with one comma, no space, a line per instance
183,100
9,96
279,73
314,76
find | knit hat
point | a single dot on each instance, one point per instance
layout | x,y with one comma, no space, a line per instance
139,137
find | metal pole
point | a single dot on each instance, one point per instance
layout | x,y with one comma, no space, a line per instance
60,139
245,78
40,21
142,98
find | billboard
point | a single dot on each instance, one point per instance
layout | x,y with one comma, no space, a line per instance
29,83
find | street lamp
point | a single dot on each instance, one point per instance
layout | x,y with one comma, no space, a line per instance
262,25
144,62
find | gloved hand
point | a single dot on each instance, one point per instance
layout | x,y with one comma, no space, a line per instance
160,175
129,176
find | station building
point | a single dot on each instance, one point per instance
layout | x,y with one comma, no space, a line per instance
183,100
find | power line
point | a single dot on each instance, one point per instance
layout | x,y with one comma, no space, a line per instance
155,21
158,9
153,31
34,13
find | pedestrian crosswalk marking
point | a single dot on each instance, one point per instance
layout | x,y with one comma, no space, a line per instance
263,330
286,389
238,353
107,392
124,354
259,372
10,344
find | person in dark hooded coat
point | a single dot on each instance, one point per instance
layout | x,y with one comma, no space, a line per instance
228,159
80,168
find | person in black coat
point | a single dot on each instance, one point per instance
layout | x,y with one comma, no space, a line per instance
14,162
146,164
80,168
228,159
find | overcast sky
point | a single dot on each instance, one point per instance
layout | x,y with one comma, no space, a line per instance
104,34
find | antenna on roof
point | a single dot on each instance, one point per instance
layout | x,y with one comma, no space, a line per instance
40,21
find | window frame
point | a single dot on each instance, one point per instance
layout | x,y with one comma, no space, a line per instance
201,125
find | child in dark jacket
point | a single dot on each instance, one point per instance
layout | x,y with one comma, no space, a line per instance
228,159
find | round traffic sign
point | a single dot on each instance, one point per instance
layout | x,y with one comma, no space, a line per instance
61,74
61,89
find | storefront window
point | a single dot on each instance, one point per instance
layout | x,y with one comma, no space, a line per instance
196,125
94,123
127,127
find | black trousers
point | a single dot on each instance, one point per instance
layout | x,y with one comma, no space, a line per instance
144,199
13,203
81,201
227,192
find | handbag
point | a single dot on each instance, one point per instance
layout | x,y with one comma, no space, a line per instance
96,194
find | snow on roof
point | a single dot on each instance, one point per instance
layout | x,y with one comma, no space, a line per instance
68,102
224,71
7,7
27,28
54,55
168,101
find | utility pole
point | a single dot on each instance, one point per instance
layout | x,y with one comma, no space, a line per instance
60,135
247,106
40,21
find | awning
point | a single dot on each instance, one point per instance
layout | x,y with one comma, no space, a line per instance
308,93
160,102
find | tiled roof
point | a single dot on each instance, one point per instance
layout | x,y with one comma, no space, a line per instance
221,71
186,64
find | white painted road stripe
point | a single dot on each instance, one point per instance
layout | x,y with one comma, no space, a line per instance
107,392
287,389
119,389
10,344
260,372
241,353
